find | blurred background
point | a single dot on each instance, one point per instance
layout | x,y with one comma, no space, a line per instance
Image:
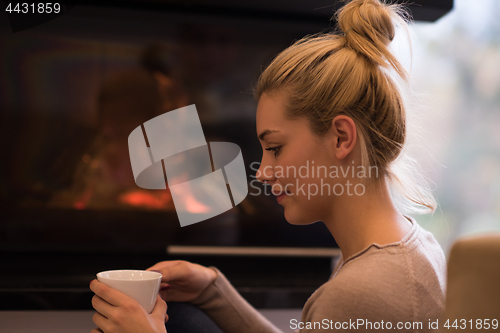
455,111
73,88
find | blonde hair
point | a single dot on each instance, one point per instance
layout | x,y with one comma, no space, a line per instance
326,75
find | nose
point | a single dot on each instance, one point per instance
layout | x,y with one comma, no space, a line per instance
265,173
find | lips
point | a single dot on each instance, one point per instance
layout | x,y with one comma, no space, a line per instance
280,198
280,195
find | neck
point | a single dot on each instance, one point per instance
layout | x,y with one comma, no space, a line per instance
366,219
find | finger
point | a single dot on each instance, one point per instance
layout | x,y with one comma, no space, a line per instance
162,264
160,309
163,295
100,321
164,286
96,330
102,306
172,270
172,295
158,266
110,295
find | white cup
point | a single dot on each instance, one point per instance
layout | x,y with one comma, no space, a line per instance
143,286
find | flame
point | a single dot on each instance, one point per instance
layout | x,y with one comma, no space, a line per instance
146,199
194,206
190,203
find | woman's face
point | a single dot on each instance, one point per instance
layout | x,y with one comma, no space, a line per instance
291,152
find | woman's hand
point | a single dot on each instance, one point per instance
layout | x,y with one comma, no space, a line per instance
118,313
186,280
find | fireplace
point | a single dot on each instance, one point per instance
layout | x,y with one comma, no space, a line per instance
71,91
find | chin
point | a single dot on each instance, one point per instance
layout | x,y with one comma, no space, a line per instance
297,219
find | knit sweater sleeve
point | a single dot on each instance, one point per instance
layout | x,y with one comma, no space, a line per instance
232,313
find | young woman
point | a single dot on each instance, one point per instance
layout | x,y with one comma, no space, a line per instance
327,101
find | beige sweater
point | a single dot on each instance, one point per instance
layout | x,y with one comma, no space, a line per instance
399,284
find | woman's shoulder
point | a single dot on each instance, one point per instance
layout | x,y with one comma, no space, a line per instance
418,258
393,279
417,251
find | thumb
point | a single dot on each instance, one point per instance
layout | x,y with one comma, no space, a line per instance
172,270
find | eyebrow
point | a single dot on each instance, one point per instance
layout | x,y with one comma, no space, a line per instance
266,132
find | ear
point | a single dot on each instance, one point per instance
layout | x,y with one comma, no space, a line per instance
344,131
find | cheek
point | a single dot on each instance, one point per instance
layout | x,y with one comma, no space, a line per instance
312,194
308,204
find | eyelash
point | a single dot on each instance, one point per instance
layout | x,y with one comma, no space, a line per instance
275,149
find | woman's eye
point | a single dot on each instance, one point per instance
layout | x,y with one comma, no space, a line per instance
275,149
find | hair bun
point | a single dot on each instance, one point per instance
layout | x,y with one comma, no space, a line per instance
368,27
